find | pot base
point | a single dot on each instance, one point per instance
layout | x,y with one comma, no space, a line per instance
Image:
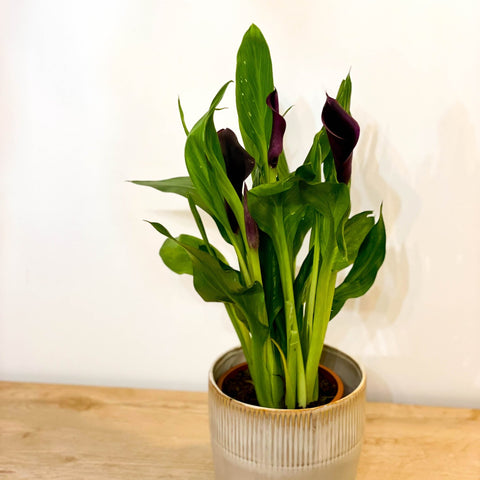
227,466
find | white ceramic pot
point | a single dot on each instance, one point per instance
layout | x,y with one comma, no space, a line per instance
321,443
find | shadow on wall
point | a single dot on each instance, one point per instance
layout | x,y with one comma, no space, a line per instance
390,289
378,389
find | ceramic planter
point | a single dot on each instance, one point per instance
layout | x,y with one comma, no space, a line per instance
321,443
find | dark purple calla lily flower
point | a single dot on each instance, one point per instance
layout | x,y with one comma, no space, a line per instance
251,227
239,165
343,132
278,129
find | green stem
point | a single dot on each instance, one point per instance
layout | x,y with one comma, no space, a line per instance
323,307
241,331
258,371
310,304
296,390
301,380
253,261
241,260
275,371
271,174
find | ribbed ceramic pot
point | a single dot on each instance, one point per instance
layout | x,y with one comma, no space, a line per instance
321,443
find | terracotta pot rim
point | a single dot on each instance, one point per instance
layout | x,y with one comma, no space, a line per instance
333,404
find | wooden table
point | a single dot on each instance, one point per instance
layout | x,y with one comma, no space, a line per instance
71,432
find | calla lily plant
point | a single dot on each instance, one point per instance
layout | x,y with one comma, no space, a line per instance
279,302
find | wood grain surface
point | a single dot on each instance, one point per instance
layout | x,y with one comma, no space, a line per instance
71,432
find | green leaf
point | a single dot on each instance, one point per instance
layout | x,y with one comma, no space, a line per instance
183,186
305,221
318,151
198,221
301,288
356,229
265,203
270,277
177,259
306,172
279,209
160,228
180,185
364,271
200,165
213,279
277,330
301,285
206,167
332,201
254,82
345,93
217,282
182,117
329,170
282,168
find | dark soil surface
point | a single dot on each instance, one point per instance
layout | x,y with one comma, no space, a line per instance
238,385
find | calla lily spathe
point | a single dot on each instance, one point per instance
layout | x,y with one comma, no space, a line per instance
343,132
278,130
238,164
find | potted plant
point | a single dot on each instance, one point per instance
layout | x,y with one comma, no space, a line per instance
279,301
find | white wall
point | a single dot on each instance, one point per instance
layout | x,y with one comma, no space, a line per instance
88,95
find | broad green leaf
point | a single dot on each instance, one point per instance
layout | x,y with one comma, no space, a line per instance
282,167
306,172
296,218
199,243
364,270
332,201
270,277
183,186
175,257
279,211
277,330
302,281
217,282
265,203
356,229
254,82
214,280
180,185
329,170
206,167
304,225
318,151
200,164
301,288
